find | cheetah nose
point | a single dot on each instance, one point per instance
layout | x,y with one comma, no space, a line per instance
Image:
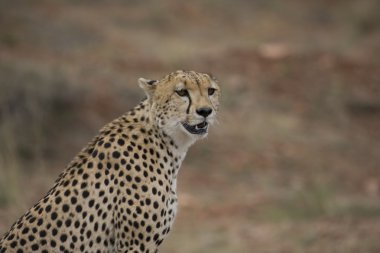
204,111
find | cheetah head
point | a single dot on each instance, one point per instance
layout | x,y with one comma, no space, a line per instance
183,104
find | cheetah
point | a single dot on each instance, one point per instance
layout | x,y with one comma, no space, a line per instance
119,193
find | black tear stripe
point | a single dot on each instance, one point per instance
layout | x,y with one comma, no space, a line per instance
188,108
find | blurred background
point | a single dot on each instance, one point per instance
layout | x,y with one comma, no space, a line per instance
294,163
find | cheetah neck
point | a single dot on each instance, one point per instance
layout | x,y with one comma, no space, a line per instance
178,149
177,141
182,141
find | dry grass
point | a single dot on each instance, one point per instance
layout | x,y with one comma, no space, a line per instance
292,165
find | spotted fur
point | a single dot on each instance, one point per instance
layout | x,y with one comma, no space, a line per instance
119,193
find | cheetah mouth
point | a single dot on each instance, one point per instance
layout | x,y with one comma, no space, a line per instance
200,128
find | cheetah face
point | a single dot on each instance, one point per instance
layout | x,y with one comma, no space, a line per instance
200,104
184,103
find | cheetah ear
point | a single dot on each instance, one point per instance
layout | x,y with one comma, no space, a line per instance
149,86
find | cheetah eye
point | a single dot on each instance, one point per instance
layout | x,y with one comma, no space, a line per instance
182,92
211,91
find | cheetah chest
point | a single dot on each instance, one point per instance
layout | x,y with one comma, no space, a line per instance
149,205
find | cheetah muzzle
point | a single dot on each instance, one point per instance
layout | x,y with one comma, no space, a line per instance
200,128
119,193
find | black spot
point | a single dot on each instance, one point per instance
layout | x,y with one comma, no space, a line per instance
58,200
22,242
13,244
116,154
65,208
68,223
35,247
85,194
54,216
94,153
31,238
67,193
25,231
63,238
40,222
74,183
73,200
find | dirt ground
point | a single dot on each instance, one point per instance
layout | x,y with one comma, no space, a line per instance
293,164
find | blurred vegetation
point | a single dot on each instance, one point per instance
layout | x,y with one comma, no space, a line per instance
292,165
